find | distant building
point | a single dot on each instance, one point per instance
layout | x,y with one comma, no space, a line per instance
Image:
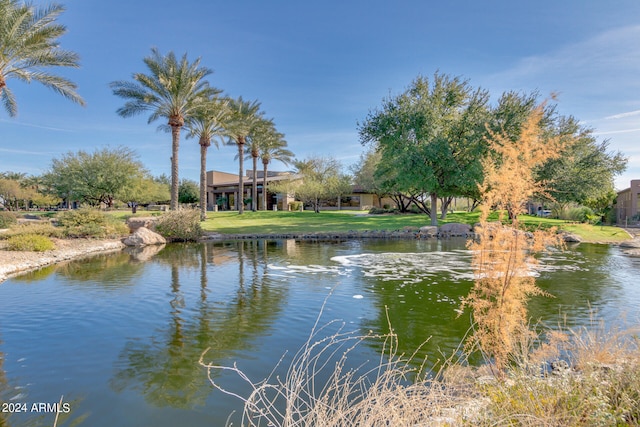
222,191
628,203
223,187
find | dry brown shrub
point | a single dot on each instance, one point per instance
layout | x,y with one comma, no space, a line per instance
502,252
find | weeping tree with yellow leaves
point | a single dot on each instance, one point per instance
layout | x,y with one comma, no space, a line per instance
503,253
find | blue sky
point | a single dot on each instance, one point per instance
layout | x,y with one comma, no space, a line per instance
319,67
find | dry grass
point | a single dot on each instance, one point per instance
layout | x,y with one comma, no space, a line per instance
590,378
582,377
320,390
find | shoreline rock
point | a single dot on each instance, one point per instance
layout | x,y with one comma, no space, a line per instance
143,237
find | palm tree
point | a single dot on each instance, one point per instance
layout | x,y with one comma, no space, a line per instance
245,116
28,46
173,90
261,132
207,123
273,148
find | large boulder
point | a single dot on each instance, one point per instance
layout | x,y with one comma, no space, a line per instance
571,238
634,243
143,237
455,229
141,221
429,230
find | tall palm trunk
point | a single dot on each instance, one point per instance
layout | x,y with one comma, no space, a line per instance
265,164
175,144
254,194
240,201
204,145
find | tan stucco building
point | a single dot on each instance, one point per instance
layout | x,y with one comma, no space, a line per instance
628,203
222,192
223,187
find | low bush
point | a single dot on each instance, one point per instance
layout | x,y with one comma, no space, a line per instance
295,206
29,242
7,219
581,214
91,223
41,228
379,211
180,226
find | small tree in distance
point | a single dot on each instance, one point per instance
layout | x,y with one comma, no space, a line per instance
94,178
322,179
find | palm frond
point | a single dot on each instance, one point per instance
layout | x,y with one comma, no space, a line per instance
9,102
29,46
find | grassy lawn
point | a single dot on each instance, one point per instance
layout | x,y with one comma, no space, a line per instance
306,222
270,222
341,221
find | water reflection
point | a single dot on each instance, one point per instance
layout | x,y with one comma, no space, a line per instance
585,280
417,289
164,367
107,271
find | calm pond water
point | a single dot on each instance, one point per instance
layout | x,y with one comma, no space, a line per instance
119,336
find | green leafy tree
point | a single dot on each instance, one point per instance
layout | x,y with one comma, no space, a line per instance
145,189
431,138
10,192
365,174
94,178
20,177
207,124
245,117
189,191
174,90
512,112
29,47
322,179
585,172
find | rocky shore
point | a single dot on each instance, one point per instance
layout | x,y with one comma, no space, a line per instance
13,263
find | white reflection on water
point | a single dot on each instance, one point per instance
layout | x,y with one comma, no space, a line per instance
408,268
310,269
418,267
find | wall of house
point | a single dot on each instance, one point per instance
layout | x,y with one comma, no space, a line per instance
628,202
